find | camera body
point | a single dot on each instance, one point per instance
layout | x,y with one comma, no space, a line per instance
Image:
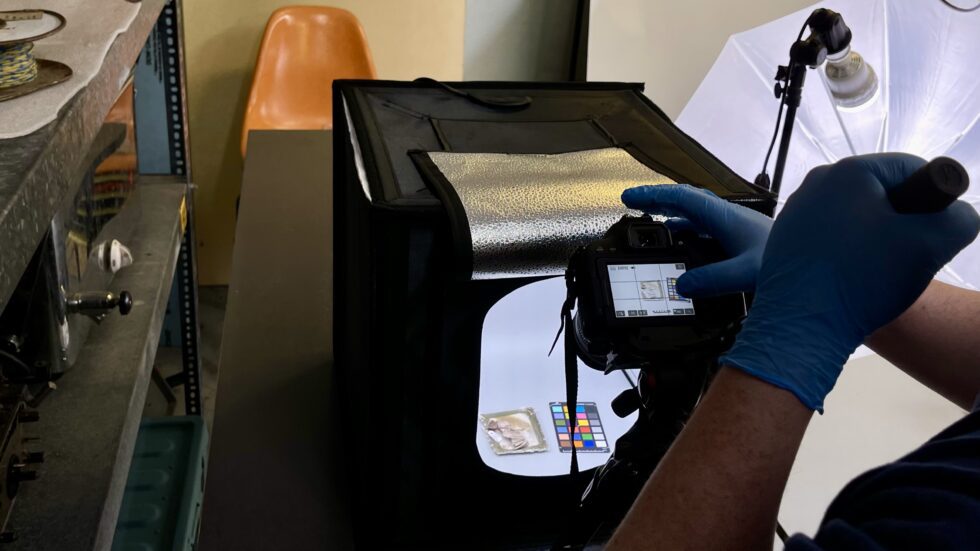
629,315
629,311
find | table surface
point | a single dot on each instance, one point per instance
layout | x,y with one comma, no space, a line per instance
39,170
88,425
274,454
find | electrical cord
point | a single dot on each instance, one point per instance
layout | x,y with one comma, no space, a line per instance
775,134
960,9
493,102
17,64
781,532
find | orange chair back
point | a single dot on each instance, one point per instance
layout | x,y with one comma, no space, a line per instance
304,49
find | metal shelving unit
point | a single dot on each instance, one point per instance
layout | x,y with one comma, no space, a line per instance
163,150
89,424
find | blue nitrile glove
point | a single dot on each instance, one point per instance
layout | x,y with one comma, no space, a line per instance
740,231
839,264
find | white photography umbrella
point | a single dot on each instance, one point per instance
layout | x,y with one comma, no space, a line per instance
927,101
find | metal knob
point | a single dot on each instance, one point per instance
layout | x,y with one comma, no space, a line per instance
626,403
97,304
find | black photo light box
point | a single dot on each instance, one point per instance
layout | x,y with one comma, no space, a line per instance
408,317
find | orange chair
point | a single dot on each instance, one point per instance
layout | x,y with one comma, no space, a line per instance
303,50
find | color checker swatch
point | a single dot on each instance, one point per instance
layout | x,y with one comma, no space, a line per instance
589,436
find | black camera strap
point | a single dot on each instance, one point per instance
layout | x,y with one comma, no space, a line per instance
571,386
571,360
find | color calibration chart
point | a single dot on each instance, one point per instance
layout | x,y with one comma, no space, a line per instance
589,437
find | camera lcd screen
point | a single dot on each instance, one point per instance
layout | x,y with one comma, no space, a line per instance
647,290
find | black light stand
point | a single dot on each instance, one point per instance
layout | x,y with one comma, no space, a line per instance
828,35
793,92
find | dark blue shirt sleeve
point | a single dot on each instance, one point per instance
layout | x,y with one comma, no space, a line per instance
929,499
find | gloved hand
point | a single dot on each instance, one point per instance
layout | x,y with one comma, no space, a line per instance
740,231
839,264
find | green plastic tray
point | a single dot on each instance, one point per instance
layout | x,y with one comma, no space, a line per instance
161,507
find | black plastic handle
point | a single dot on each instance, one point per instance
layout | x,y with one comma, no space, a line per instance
931,188
125,304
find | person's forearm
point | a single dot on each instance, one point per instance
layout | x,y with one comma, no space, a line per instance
720,484
935,341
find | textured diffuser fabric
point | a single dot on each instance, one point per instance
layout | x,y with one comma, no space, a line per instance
528,213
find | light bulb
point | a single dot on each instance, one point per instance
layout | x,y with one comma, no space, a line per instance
851,80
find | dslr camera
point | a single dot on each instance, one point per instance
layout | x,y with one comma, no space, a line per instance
623,312
629,313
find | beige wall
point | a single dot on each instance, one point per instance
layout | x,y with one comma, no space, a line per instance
670,45
408,38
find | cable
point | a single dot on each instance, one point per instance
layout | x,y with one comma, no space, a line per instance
17,64
959,9
781,532
493,102
775,133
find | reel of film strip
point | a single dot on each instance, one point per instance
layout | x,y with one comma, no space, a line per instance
20,72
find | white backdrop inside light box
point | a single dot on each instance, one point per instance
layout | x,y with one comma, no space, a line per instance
516,371
925,56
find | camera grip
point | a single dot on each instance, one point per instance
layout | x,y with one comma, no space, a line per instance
931,188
